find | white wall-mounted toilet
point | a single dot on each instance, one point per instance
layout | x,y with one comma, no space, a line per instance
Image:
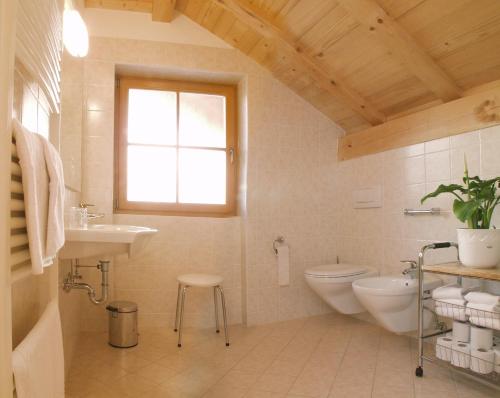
333,283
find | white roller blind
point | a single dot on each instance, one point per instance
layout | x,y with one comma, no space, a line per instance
39,44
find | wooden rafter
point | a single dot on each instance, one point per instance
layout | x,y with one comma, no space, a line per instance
283,40
401,44
163,10
479,109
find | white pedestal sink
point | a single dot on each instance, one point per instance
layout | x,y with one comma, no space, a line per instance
104,240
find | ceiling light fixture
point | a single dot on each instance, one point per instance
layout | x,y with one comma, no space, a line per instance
75,33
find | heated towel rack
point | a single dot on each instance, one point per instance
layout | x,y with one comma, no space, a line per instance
20,263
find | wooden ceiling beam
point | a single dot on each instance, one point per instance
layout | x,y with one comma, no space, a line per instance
400,43
256,20
163,10
479,109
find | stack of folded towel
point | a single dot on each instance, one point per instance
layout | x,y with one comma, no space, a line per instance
450,301
483,309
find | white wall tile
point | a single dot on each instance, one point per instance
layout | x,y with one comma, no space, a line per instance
437,166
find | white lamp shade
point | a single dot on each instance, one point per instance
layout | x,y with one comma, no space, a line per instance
75,33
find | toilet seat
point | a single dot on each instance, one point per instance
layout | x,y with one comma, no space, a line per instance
335,271
333,283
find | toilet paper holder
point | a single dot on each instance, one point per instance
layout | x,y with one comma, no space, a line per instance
278,241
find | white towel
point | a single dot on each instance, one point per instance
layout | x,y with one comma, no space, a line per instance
30,149
485,309
492,323
482,298
452,291
454,312
55,223
38,361
43,186
453,302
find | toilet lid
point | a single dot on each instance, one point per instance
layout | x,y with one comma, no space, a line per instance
335,270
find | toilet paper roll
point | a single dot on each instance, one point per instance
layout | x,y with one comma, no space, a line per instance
283,265
460,354
461,331
480,338
443,348
497,359
482,361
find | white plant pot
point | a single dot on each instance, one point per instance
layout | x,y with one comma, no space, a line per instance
479,248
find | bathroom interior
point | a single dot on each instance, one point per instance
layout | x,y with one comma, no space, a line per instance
250,198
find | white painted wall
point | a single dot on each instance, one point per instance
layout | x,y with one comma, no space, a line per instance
139,26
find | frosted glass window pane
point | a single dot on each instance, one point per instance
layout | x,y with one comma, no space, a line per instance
202,176
202,120
151,174
152,117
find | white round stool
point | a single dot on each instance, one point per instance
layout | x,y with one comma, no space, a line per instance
199,280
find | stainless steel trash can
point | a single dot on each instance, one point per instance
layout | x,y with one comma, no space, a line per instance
122,324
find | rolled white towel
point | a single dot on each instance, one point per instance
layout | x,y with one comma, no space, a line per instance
454,312
483,309
492,323
483,298
452,291
453,302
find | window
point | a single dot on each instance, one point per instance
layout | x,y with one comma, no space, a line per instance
175,147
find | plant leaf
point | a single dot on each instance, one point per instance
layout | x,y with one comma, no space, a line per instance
452,188
465,210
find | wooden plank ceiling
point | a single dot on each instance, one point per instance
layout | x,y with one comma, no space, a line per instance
361,62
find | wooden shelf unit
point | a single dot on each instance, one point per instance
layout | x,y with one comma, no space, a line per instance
457,269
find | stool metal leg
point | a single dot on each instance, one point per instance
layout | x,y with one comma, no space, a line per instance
181,315
177,308
224,314
217,330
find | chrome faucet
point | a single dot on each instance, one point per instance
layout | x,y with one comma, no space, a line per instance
90,216
412,270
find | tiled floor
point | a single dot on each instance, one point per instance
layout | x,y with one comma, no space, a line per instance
330,356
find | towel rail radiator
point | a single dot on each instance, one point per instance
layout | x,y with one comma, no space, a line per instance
20,262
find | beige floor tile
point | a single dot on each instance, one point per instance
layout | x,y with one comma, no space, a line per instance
133,386
314,381
332,356
239,379
285,368
388,391
351,391
221,391
131,362
467,388
393,377
80,386
104,372
188,390
172,391
274,383
155,373
264,394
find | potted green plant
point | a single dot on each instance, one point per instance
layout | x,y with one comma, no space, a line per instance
475,201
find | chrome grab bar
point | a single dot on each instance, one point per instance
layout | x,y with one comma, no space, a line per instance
415,212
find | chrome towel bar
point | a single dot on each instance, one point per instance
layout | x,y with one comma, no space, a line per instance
415,212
